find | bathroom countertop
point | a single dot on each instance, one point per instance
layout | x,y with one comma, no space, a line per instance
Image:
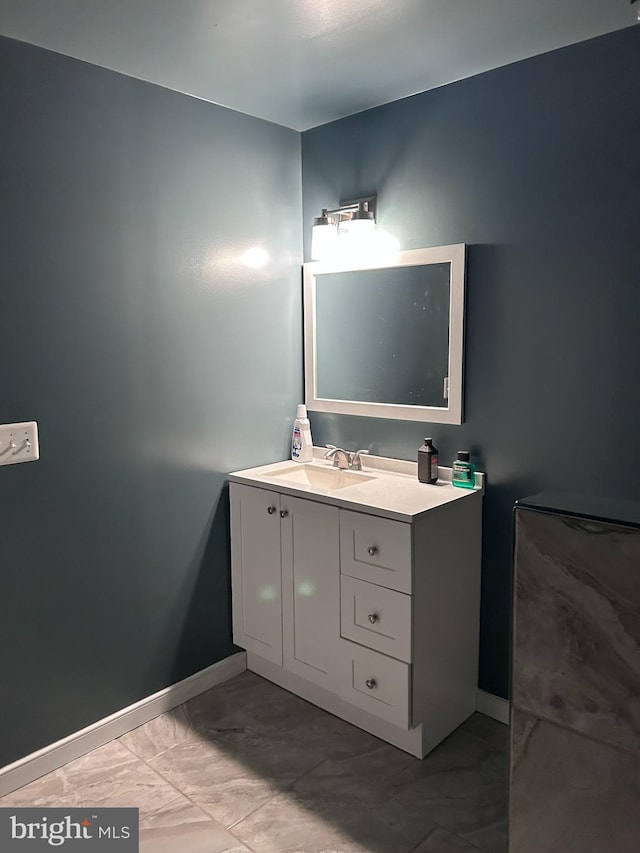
393,491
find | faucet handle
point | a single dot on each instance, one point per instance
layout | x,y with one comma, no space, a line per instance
356,461
341,458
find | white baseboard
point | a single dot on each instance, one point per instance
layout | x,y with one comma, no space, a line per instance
493,706
51,757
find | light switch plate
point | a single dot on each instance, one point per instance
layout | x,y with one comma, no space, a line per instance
19,443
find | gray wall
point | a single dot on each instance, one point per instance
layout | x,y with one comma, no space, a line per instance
154,362
536,167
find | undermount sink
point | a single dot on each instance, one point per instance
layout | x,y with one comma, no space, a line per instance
318,476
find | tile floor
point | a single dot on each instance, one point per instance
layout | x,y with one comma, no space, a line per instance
250,767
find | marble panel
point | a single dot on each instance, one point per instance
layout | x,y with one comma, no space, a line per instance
569,793
462,785
577,625
108,776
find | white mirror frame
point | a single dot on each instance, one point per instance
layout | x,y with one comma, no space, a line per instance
451,414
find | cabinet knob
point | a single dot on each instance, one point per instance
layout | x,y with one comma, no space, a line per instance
271,510
371,683
372,550
372,617
284,513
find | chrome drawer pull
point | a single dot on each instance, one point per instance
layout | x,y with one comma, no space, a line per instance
372,550
284,513
271,510
372,617
371,683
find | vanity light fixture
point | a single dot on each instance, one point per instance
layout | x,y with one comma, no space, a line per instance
350,231
324,235
362,220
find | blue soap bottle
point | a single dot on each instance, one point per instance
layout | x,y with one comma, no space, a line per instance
463,473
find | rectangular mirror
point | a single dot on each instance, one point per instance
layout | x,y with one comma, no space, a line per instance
386,340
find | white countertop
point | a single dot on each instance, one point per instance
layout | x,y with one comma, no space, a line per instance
393,490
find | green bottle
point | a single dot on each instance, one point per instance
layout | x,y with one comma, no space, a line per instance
463,473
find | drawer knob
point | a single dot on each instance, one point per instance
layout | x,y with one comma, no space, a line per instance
271,510
371,683
372,550
372,617
284,513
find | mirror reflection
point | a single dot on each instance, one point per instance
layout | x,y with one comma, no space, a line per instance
382,335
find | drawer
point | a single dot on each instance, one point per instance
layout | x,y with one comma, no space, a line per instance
376,683
376,617
376,550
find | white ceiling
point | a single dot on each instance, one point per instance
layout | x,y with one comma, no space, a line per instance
302,63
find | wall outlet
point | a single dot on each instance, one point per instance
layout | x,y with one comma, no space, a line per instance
19,443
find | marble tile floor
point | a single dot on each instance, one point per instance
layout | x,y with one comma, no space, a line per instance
249,768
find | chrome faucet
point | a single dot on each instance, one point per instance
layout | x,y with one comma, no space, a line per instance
344,458
341,458
356,461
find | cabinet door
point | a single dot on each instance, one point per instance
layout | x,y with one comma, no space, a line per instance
255,571
310,590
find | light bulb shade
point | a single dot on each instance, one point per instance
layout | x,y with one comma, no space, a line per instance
349,233
362,227
363,214
324,235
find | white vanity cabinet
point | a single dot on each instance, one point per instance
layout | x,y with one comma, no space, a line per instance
256,557
286,581
369,611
